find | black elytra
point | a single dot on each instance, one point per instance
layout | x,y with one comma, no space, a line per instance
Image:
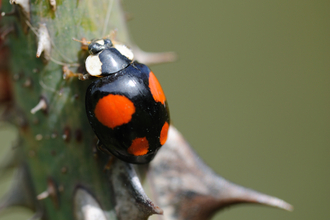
126,107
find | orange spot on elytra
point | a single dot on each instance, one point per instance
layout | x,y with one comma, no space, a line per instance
163,133
114,110
156,89
139,146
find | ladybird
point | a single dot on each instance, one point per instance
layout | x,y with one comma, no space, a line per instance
125,105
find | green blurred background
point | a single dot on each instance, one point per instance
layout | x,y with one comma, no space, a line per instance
250,92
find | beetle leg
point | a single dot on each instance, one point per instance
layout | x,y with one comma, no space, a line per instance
107,166
67,73
100,147
84,43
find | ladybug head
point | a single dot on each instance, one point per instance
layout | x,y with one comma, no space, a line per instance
107,57
98,45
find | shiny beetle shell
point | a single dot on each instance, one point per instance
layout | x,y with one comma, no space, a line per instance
126,106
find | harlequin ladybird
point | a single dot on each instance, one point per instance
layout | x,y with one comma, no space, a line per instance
126,106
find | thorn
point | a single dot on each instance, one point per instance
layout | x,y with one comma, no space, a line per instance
149,58
53,4
129,193
44,42
37,216
39,137
43,195
21,192
11,13
51,192
28,83
194,185
24,6
86,207
233,193
42,105
66,134
23,13
12,160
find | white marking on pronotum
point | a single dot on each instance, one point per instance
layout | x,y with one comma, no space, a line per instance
124,50
42,105
101,42
93,65
25,6
44,42
53,4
